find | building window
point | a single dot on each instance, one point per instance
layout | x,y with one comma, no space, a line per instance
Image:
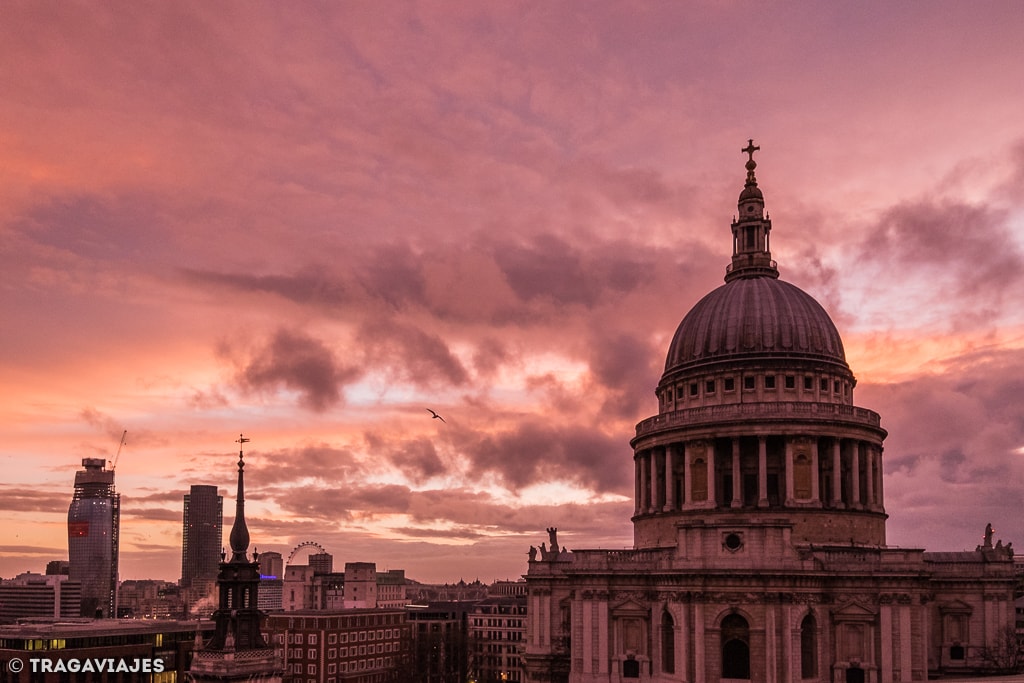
835,386
748,382
668,643
730,384
709,386
735,647
808,383
668,394
808,647
769,381
693,388
790,382
823,385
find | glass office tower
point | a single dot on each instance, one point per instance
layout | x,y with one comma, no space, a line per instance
93,521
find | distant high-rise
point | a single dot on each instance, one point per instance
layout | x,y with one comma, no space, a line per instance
201,534
321,563
93,521
271,565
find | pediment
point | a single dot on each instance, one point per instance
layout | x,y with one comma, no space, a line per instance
854,610
956,607
630,608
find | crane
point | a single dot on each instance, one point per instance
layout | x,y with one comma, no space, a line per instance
118,455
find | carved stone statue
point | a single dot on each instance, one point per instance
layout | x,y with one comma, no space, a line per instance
533,553
553,537
988,536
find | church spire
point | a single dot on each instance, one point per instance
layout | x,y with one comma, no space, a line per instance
239,531
751,256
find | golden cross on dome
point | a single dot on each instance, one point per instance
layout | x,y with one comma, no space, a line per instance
750,149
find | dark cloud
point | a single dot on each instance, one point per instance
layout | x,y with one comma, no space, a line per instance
416,459
300,363
392,274
538,451
348,502
320,462
411,354
969,246
627,367
489,356
148,513
313,285
550,269
955,436
127,229
17,499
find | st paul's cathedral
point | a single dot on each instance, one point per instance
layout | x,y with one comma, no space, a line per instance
759,523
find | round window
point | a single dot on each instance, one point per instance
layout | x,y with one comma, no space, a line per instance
733,541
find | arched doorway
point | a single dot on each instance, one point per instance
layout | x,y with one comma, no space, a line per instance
855,674
735,647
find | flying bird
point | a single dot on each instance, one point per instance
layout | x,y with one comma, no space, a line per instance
436,416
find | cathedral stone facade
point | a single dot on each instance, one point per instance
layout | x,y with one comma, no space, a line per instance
759,520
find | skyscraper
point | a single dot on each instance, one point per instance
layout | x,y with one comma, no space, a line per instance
201,534
93,522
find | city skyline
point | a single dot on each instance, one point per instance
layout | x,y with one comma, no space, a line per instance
315,225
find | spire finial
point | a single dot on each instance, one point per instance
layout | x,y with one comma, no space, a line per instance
751,164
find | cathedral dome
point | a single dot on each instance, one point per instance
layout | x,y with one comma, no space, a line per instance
756,316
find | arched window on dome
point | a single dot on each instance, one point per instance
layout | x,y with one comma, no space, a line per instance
735,647
668,643
809,647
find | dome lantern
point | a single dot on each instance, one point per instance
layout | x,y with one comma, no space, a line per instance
751,255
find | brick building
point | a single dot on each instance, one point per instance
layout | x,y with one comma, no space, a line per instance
344,646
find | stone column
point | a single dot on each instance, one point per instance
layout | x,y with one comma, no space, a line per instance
789,471
869,474
886,656
683,644
787,643
688,477
737,499
670,480
762,472
645,488
699,653
656,475
712,476
770,645
837,474
906,645
637,477
855,476
587,618
815,472
879,486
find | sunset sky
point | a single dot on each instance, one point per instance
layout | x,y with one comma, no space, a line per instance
309,222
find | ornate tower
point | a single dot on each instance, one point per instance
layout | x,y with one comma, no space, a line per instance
237,651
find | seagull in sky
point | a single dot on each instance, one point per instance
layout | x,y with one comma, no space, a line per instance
436,416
